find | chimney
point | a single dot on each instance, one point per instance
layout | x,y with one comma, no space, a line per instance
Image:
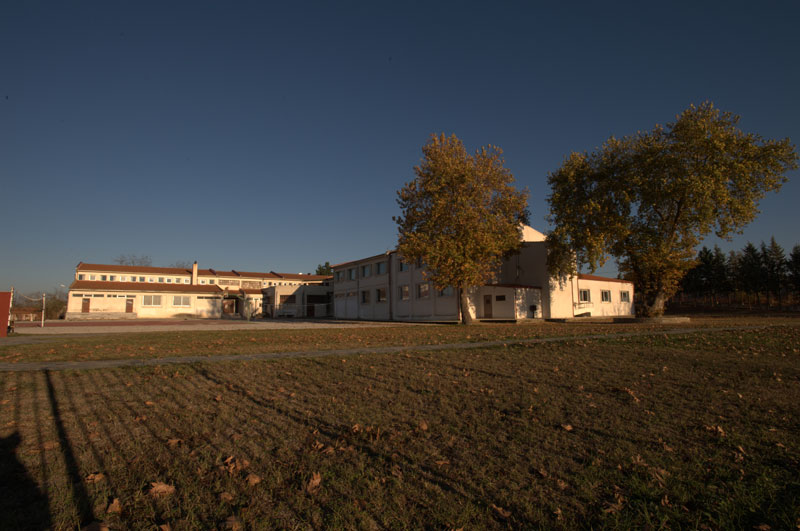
194,273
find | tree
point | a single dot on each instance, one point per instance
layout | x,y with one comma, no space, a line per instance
460,215
794,269
133,260
324,269
180,264
775,271
649,199
751,271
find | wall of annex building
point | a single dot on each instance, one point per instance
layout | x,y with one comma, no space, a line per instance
362,290
203,305
596,306
414,298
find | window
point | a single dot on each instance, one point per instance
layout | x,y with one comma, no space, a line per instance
339,276
625,296
423,290
366,270
80,276
103,278
161,279
211,281
141,279
403,266
151,279
98,295
112,278
380,268
185,280
380,295
133,279
77,294
499,298
365,297
202,281
169,281
151,300
181,300
287,299
351,293
605,295
91,277
404,292
351,274
446,292
583,296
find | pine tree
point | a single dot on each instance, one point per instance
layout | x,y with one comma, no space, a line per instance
774,260
794,269
751,271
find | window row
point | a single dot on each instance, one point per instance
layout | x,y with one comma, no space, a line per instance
585,295
364,271
422,291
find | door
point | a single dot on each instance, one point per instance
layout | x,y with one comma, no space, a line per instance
128,305
229,306
85,305
310,310
487,306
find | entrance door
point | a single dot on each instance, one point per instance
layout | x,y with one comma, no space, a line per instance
128,305
487,306
85,305
229,306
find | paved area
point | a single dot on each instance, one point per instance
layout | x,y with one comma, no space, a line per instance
107,364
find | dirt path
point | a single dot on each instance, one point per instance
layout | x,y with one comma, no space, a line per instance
107,364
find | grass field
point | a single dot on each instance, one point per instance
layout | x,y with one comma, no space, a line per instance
697,430
213,343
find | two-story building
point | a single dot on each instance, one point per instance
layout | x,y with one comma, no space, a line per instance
385,287
121,291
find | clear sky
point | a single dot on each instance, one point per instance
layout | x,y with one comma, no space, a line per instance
273,136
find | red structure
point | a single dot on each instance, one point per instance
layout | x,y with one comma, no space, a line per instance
5,305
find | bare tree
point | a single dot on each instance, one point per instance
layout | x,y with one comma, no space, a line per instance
133,260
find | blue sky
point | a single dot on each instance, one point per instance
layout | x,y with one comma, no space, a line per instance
273,136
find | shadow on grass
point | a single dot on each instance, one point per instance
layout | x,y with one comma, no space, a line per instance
22,504
80,496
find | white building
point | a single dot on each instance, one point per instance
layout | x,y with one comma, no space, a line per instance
119,291
383,287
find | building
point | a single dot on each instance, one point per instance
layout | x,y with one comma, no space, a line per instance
119,291
384,287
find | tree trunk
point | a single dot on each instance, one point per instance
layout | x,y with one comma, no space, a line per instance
653,306
463,302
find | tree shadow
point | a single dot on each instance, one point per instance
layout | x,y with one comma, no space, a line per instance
79,493
23,505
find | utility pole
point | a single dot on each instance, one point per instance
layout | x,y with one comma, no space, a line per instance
43,296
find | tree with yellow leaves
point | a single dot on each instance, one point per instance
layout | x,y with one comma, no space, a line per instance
649,199
460,215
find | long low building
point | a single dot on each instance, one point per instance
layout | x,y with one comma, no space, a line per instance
384,287
119,291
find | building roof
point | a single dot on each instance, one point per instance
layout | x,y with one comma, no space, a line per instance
518,286
251,291
387,253
93,285
582,276
134,269
202,272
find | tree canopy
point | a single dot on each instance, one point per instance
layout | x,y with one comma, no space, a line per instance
460,215
649,199
324,269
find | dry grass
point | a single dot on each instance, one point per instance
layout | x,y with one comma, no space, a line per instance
679,431
213,343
